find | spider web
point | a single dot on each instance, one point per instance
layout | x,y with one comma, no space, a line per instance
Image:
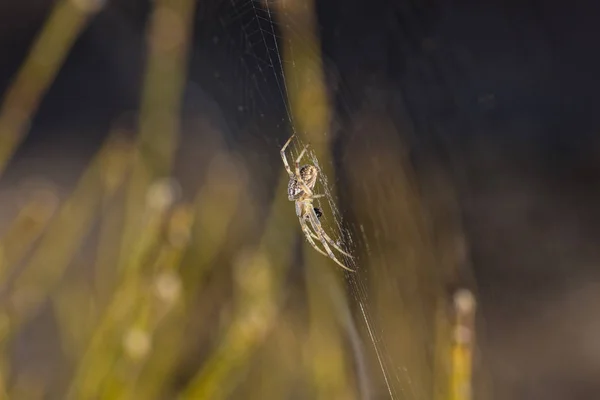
251,26
344,239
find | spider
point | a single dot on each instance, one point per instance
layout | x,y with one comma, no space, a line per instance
300,191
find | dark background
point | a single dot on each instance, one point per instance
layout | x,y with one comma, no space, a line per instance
502,93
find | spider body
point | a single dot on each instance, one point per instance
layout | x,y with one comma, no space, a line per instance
296,192
307,178
300,191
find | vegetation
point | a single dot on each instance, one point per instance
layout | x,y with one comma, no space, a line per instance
202,298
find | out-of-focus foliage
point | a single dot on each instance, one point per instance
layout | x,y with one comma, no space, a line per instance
198,298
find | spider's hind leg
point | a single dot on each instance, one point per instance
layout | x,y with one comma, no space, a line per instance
308,234
334,244
317,227
333,257
322,236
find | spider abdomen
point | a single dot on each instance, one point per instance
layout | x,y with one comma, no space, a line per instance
309,173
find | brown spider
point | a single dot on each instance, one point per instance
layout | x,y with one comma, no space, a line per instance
300,191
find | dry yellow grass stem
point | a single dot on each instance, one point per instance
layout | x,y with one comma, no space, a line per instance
66,21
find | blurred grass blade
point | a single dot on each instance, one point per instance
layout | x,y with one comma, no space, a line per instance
168,323
105,346
260,275
215,208
107,253
24,230
27,387
161,308
168,38
216,205
76,312
303,73
328,359
66,21
310,110
65,234
255,315
462,351
442,350
403,270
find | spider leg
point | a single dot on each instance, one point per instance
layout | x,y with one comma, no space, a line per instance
318,227
308,234
334,244
307,190
319,239
297,164
284,158
320,233
313,235
332,256
318,214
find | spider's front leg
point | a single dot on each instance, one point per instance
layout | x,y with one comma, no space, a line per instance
284,158
297,163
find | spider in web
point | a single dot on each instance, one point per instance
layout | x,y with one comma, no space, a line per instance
300,190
